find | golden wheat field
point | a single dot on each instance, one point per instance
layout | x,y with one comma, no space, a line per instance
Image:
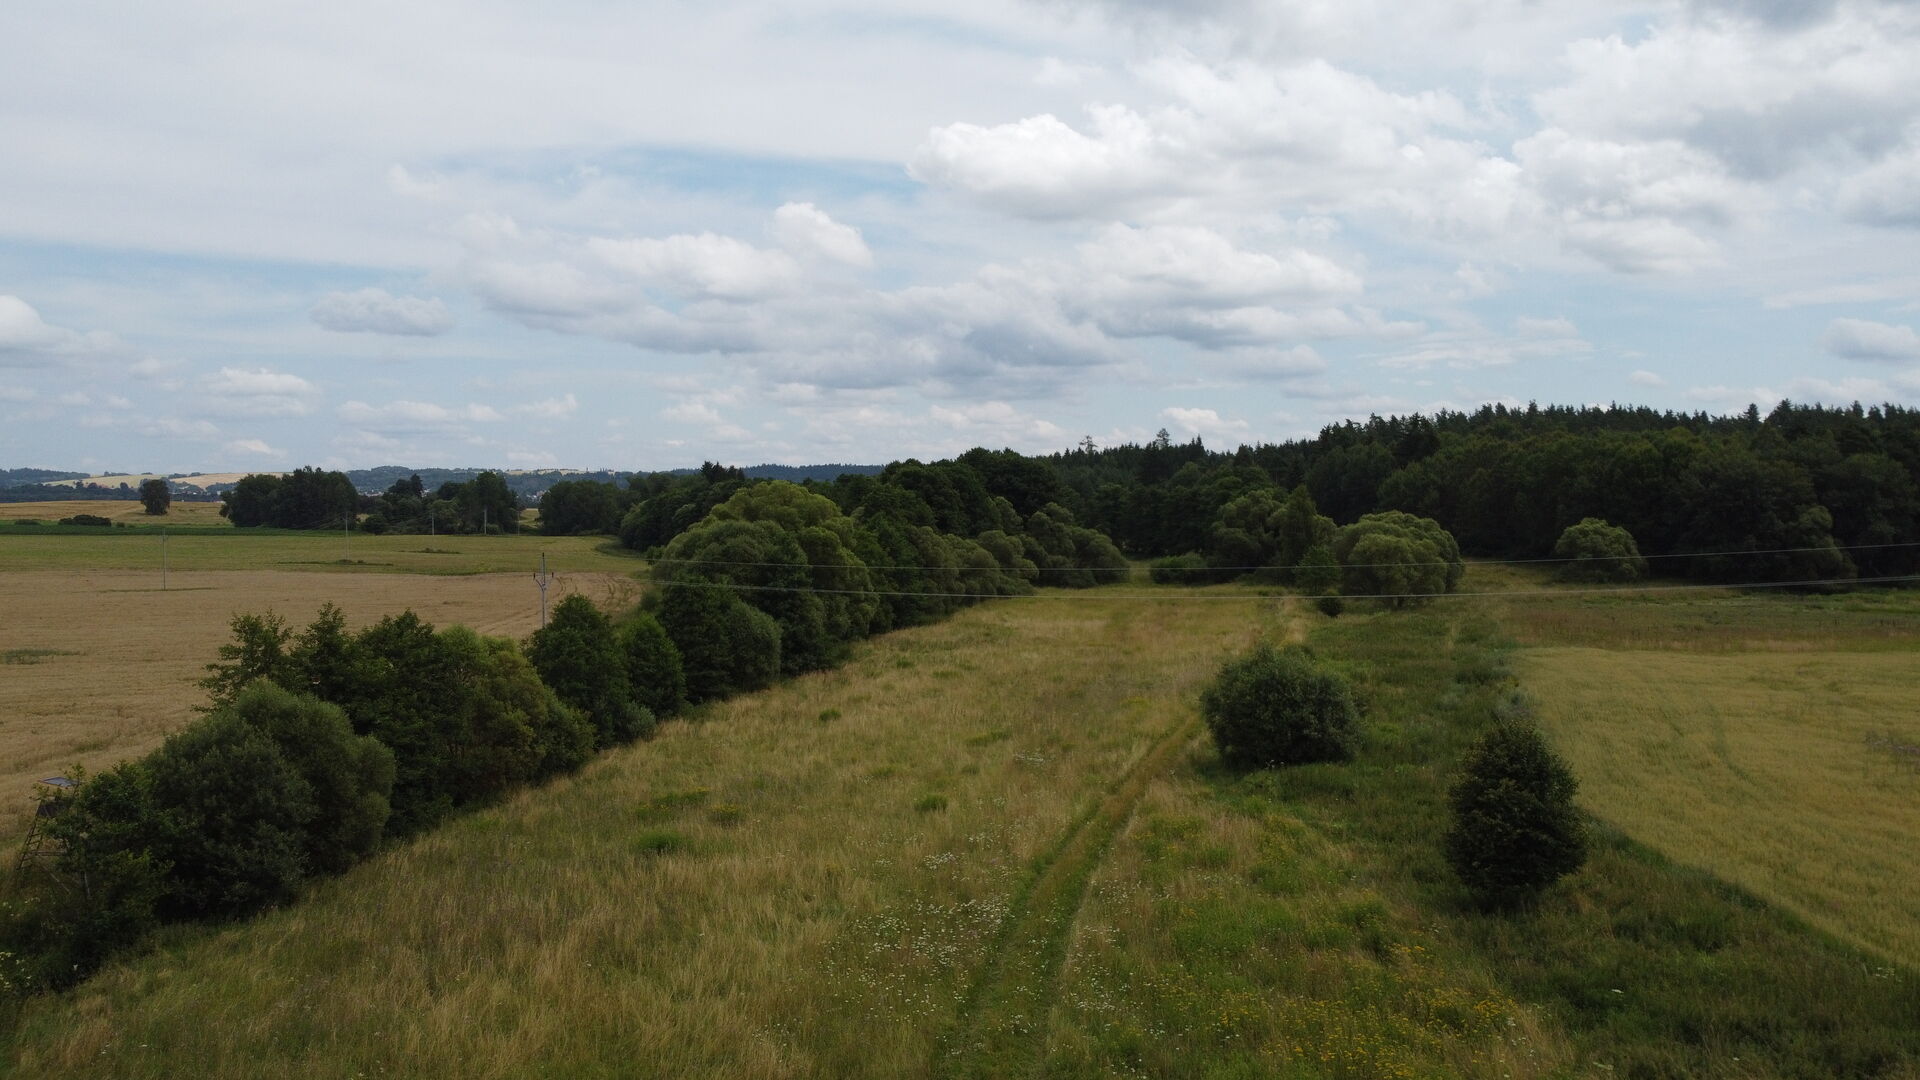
127,510
96,667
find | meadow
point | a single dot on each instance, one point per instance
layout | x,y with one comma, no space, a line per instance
1002,845
99,664
1746,738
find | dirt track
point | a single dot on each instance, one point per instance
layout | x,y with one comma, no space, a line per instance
98,667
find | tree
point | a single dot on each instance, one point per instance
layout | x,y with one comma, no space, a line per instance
1515,829
577,655
155,495
654,671
1597,551
1397,557
1273,707
571,507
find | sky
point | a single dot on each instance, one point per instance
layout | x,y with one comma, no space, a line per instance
589,234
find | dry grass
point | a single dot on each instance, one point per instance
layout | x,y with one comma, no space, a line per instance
768,891
127,510
244,549
1756,767
104,664
134,480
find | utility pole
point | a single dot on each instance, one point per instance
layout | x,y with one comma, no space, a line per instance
541,579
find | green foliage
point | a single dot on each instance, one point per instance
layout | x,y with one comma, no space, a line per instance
571,507
258,651
91,520
723,650
306,498
654,672
155,496
578,656
1397,556
1179,570
1280,707
1599,552
1515,828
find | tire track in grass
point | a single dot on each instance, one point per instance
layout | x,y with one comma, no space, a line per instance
1002,1026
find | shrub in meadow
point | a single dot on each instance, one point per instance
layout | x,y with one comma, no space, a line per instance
1515,829
1280,707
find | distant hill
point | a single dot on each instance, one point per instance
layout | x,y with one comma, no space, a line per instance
28,485
16,477
527,482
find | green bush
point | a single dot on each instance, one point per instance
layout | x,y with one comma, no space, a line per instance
1515,829
726,647
1179,570
94,520
1273,707
654,672
1598,551
577,655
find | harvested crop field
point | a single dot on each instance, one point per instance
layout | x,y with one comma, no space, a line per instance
96,667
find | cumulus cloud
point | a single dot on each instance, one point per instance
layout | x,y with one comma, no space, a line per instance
376,311
247,392
1010,330
414,417
1863,339
252,448
806,230
27,340
1646,378
1206,423
700,414
550,409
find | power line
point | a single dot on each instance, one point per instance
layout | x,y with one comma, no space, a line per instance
1089,595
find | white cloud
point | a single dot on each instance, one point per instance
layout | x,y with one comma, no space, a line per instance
27,340
550,409
1206,423
700,414
260,382
252,448
805,230
1887,193
1646,378
377,311
1862,339
414,417
1559,326
1836,391
257,392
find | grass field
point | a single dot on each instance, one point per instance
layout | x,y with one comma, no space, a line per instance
128,510
1736,735
1002,846
803,882
98,667
240,549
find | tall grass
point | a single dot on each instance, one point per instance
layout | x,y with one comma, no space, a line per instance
763,891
